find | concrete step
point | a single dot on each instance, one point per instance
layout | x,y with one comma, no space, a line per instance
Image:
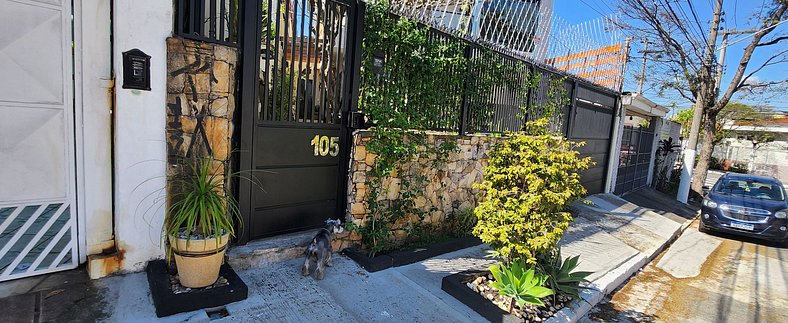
263,252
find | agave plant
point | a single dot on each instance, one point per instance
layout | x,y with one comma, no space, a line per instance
560,273
523,285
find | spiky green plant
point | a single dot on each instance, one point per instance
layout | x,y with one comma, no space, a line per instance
202,204
523,285
560,273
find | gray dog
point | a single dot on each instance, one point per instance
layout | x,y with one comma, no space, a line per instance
320,248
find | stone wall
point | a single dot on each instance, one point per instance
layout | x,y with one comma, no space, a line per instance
449,187
200,102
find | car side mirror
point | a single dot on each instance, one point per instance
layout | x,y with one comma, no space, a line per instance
706,190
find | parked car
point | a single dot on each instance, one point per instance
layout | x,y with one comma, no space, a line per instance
748,205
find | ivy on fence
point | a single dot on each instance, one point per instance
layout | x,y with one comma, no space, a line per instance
423,84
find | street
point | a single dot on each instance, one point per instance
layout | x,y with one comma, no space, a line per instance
704,278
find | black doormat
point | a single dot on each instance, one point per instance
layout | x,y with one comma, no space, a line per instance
408,256
456,286
171,298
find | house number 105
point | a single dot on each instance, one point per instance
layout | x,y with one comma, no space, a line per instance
325,145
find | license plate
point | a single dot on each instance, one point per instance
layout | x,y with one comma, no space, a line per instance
742,226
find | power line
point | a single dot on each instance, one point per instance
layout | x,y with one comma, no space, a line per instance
692,9
592,8
752,34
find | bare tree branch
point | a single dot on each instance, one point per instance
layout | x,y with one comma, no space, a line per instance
773,41
768,62
769,25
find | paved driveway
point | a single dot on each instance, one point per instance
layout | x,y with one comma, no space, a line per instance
705,278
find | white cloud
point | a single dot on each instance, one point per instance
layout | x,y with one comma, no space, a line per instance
753,80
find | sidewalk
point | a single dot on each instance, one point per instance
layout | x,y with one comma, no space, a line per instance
614,238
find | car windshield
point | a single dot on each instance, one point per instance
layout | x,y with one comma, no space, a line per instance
756,189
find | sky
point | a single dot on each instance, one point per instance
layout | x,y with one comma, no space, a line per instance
736,16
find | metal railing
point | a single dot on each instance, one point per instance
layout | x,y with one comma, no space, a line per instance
497,95
213,21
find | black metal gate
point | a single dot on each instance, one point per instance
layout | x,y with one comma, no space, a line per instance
592,122
637,141
302,55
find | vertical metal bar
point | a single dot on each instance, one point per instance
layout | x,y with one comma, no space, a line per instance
340,49
266,36
335,71
318,58
572,115
250,63
179,18
463,126
355,68
326,59
301,114
280,15
233,24
309,99
292,13
212,19
352,69
200,17
222,19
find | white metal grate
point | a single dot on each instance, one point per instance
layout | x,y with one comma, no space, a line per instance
36,239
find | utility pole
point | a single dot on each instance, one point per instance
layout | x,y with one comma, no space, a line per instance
723,48
645,53
643,68
703,96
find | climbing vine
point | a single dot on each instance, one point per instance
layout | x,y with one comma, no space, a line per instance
411,93
414,80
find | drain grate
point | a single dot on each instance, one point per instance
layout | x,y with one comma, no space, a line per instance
217,313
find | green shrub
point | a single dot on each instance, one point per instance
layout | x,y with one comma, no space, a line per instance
524,285
460,223
561,277
529,182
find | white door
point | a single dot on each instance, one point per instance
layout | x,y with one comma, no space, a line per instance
37,166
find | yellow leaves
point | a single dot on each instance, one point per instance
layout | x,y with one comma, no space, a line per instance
529,182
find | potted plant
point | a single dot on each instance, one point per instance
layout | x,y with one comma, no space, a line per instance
199,222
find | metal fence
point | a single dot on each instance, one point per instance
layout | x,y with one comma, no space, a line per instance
214,21
500,92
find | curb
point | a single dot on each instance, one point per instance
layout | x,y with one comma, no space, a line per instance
611,280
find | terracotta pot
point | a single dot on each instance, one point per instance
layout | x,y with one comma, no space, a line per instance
198,260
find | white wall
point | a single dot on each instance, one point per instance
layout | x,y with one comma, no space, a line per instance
140,151
93,96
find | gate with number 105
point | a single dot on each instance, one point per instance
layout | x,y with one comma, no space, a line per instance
297,145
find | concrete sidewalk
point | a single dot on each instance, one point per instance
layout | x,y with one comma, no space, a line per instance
613,237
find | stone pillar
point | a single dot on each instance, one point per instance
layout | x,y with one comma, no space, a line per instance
200,102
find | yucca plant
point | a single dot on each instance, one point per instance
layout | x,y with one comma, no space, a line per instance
560,273
201,205
523,285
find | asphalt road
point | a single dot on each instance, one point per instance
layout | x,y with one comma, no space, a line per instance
705,278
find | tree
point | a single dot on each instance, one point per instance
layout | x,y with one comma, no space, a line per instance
730,119
686,52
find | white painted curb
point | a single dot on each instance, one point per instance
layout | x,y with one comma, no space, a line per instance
610,281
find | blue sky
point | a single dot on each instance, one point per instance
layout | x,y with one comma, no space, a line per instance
736,15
